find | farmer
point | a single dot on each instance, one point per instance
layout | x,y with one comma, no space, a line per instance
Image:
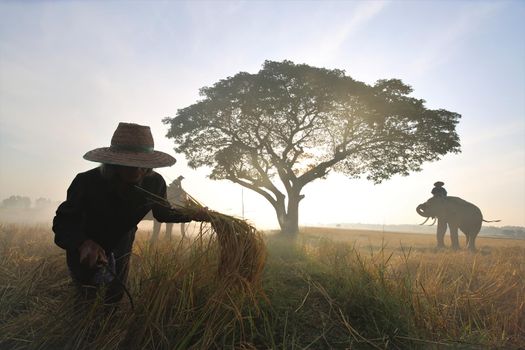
96,224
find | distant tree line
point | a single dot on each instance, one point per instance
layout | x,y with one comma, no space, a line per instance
22,210
24,202
507,231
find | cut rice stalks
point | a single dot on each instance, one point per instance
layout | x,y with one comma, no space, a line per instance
242,252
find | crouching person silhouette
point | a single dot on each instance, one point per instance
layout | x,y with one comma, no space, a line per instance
96,224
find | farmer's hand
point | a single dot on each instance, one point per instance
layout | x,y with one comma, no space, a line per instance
91,253
203,214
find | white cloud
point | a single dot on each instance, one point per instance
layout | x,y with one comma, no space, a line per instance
325,46
363,13
438,49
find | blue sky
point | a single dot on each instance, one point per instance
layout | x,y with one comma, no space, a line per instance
70,71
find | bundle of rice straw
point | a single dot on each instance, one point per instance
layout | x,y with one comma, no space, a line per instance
241,247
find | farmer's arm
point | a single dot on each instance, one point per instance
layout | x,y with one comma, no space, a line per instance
68,224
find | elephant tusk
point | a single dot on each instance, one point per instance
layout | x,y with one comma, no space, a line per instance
425,221
433,222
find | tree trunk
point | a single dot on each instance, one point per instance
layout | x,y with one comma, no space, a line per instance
290,226
289,218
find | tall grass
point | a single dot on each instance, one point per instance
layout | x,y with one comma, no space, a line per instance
316,294
179,298
429,297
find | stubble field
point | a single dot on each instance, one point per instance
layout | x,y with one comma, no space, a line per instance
325,289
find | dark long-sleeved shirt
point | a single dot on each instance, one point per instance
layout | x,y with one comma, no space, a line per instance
95,209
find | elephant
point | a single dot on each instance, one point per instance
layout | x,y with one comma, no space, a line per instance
175,195
458,214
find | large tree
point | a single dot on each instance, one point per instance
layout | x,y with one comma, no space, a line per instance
279,129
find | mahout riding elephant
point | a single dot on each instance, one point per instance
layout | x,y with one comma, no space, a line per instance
458,213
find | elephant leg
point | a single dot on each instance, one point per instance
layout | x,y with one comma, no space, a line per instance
471,228
169,229
441,229
156,230
454,236
471,242
183,229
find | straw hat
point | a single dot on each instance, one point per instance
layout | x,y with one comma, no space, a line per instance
131,145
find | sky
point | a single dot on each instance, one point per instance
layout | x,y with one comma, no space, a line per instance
70,71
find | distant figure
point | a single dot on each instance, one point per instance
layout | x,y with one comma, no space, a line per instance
177,196
439,191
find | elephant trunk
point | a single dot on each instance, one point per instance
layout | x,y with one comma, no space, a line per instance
421,211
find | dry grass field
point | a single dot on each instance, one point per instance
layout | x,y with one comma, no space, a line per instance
470,296
366,239
326,289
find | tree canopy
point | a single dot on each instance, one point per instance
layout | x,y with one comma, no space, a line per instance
279,129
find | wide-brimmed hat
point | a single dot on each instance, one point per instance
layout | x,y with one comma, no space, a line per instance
131,145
